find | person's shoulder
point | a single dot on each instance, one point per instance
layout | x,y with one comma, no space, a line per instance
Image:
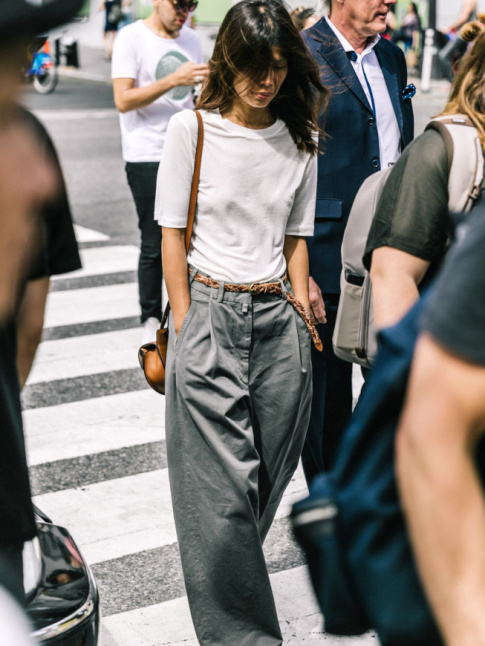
28,117
392,49
40,131
428,149
185,120
313,35
130,32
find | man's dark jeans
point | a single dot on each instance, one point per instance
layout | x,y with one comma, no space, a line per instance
142,180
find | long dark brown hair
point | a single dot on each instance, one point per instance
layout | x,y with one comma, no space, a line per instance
243,47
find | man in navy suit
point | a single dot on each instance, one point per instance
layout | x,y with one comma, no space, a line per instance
368,123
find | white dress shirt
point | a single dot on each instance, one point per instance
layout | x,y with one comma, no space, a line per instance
367,65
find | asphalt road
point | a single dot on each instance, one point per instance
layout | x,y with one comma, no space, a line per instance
71,94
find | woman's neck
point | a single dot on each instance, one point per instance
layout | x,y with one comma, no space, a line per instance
245,115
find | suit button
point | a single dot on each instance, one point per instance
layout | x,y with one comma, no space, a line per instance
372,122
375,162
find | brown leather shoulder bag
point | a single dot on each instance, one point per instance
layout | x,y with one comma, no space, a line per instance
153,356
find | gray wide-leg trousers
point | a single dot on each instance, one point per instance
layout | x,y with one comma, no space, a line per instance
238,392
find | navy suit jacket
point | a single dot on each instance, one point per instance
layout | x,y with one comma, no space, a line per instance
351,150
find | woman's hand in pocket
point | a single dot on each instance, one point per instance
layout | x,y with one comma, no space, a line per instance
179,318
174,260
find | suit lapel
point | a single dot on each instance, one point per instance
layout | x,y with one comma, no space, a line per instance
389,70
331,50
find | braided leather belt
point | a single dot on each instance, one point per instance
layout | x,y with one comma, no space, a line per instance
267,288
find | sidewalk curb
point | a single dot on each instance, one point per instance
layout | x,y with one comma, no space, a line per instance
70,72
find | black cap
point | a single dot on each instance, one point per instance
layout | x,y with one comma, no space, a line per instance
19,17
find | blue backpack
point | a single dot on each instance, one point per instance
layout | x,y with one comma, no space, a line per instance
352,527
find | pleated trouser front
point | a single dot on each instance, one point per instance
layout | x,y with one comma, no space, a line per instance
238,394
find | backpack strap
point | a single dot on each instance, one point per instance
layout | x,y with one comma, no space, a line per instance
465,160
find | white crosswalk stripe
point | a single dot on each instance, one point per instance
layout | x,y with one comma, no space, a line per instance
106,260
86,355
91,304
105,451
112,532
83,234
101,424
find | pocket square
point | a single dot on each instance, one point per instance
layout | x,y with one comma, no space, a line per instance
409,91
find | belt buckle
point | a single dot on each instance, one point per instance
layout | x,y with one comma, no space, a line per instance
251,288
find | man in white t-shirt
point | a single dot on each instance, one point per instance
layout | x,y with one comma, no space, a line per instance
156,63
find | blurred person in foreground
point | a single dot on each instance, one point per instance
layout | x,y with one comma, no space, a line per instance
156,64
369,122
411,229
443,422
441,431
59,255
238,382
27,181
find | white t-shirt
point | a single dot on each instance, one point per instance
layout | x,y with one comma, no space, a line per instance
140,54
255,186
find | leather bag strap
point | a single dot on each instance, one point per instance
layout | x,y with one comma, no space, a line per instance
195,182
193,197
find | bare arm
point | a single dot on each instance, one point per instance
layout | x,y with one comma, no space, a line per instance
30,323
443,499
467,7
395,276
127,97
296,255
175,271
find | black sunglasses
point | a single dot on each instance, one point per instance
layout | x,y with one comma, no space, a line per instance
180,5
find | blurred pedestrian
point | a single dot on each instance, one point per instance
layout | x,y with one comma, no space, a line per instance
113,16
456,46
411,229
409,28
26,182
238,382
369,123
304,17
440,443
127,7
156,64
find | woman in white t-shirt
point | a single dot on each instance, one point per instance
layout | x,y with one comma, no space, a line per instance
238,383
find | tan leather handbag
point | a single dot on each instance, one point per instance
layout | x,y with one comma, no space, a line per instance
153,356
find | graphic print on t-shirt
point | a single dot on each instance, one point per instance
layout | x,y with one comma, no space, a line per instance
168,64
